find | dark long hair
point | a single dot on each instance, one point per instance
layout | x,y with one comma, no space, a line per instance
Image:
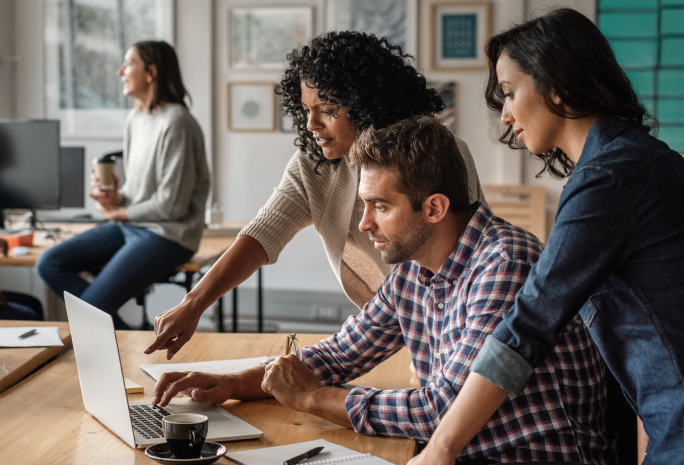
169,85
366,74
565,53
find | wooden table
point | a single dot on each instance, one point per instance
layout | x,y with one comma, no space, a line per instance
43,419
213,244
209,250
17,362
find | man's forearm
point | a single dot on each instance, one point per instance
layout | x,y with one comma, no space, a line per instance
247,384
329,404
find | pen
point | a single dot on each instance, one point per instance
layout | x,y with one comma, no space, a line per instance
304,456
28,334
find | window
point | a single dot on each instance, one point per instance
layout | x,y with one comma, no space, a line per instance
85,44
648,39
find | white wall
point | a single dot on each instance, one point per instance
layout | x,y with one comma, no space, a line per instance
7,63
194,47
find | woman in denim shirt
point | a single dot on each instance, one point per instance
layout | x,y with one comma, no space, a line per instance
616,252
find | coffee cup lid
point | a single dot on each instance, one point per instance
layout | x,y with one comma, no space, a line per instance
109,159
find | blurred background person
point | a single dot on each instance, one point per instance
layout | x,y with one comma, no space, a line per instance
157,216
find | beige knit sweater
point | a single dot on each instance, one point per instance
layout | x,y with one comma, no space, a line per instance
327,200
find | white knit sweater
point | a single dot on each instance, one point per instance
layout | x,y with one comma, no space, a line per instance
327,200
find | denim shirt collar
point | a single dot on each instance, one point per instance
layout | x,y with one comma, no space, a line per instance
605,129
463,251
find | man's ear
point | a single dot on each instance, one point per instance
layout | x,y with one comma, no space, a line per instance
436,207
555,98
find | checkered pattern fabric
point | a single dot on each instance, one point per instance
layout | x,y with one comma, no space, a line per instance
443,319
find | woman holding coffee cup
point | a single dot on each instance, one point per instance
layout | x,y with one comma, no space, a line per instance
157,216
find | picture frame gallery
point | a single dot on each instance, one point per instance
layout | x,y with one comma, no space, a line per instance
260,37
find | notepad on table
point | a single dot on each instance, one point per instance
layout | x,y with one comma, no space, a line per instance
44,336
216,367
331,454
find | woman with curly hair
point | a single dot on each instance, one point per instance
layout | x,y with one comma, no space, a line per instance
334,87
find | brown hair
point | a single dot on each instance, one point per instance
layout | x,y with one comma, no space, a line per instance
169,85
425,155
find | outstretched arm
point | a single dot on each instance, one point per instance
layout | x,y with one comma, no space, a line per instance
175,327
279,220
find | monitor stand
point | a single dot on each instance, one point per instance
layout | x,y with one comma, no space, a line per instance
33,226
32,223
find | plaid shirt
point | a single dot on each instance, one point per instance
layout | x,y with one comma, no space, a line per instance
443,319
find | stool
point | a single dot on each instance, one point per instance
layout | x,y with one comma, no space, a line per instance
190,268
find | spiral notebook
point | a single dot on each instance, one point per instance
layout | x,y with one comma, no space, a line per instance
331,454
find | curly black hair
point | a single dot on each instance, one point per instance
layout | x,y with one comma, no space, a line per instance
369,76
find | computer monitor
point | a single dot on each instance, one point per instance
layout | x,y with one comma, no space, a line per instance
72,177
29,164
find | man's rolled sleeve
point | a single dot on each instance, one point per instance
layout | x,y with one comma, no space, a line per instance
407,413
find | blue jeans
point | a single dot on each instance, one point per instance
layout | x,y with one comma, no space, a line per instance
133,258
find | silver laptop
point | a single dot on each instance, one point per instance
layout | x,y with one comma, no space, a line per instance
104,394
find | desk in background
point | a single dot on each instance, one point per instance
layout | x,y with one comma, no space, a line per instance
44,421
17,362
213,244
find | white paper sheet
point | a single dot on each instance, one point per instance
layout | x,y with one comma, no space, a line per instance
216,366
46,336
332,453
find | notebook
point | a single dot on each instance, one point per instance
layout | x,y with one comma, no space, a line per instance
331,454
45,336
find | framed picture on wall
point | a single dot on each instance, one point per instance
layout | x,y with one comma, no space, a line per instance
458,34
251,106
261,37
394,19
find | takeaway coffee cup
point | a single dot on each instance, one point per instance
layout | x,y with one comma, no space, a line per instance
105,167
185,434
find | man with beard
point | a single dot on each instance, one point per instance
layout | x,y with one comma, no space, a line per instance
459,270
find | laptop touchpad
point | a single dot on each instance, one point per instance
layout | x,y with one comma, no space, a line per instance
215,416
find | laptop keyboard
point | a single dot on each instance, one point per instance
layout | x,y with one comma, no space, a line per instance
147,420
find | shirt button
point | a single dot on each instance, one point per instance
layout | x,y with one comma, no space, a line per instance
455,282
440,306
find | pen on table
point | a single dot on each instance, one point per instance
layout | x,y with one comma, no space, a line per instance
28,334
304,456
